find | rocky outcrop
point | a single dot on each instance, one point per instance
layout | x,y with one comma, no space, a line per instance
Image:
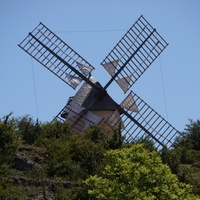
37,183
197,165
22,163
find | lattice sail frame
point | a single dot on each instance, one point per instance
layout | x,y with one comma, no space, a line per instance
155,124
128,60
54,54
133,54
79,117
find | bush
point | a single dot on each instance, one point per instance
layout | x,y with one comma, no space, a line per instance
8,192
55,129
8,141
75,157
190,138
172,158
135,173
188,157
28,129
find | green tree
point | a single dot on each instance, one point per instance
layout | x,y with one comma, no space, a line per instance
76,156
172,158
28,129
187,144
8,141
190,138
95,134
55,129
117,139
147,143
192,133
135,173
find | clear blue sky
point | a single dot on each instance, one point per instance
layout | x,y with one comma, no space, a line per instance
92,28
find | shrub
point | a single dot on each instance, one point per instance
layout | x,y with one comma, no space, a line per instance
135,173
55,129
8,141
76,157
28,129
8,192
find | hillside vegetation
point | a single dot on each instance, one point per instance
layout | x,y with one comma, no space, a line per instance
48,161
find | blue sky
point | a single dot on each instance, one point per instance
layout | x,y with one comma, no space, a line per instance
92,28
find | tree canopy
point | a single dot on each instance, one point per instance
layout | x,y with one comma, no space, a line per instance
136,173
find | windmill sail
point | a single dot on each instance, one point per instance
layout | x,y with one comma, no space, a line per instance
86,70
91,119
148,123
129,103
126,62
74,80
75,116
78,117
134,53
114,120
54,54
111,66
74,109
124,83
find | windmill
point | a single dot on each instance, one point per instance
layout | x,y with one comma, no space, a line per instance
126,62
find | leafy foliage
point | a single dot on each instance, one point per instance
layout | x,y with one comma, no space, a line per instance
35,132
146,142
185,155
112,169
55,130
8,141
77,156
185,149
117,139
172,158
135,173
28,129
192,132
191,136
8,192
